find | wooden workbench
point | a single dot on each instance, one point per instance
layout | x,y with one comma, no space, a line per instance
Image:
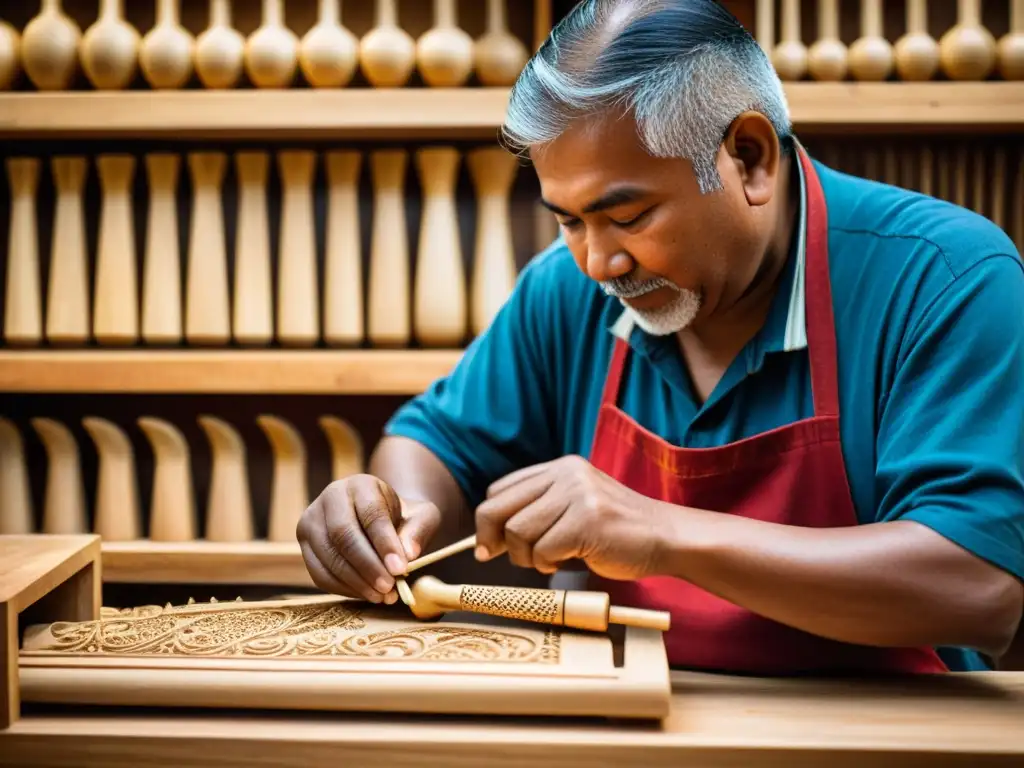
962,720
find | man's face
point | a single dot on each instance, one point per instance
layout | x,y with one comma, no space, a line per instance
640,226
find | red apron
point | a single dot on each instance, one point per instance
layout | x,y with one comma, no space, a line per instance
794,475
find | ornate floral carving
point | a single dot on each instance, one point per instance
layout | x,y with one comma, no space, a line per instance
301,629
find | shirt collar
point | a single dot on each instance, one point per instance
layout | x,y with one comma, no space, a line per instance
785,328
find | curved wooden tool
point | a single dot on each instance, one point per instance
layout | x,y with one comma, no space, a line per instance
64,498
15,495
347,452
117,500
228,506
172,511
568,608
289,495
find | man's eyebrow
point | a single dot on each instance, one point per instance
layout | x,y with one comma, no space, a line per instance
615,197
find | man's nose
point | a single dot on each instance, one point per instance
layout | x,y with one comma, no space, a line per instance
606,260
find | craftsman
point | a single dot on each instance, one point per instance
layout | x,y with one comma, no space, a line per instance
783,403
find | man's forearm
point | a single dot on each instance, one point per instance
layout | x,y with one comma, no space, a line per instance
889,584
416,474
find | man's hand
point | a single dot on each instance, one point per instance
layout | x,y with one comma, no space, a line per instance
566,509
354,539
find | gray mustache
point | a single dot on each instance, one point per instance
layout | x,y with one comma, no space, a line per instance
628,288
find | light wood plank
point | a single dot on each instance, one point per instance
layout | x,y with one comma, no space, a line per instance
205,562
388,372
716,722
460,113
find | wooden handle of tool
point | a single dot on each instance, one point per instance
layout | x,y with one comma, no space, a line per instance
577,609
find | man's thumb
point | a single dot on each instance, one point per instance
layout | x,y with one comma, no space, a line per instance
420,521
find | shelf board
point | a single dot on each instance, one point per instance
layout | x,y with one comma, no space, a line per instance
356,113
264,563
457,113
270,371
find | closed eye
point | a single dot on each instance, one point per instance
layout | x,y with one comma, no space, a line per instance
632,222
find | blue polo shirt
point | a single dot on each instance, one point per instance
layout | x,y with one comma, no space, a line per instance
928,300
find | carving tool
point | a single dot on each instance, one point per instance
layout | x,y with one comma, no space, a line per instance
576,609
404,592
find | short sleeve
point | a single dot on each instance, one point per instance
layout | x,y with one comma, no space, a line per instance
950,441
493,413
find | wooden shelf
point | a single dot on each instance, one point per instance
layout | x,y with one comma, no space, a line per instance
271,371
457,113
357,113
267,563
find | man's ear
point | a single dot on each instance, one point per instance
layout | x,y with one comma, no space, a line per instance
753,147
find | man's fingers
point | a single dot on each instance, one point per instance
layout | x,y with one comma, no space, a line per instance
379,512
512,478
323,578
339,568
492,515
526,527
344,548
561,542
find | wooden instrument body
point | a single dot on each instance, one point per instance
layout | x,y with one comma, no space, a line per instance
329,653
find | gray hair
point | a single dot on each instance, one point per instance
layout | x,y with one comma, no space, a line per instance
684,70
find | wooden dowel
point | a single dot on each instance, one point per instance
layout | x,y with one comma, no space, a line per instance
452,549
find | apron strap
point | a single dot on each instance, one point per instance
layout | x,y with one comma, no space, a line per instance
821,332
613,380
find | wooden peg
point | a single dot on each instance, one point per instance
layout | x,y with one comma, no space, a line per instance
498,55
272,51
1017,205
207,317
49,48
64,494
1011,45
871,55
917,52
161,271
110,48
253,303
389,312
289,495
115,317
329,52
220,49
165,55
444,53
997,213
228,502
10,55
172,510
23,323
298,309
343,257
347,451
387,53
968,50
826,59
116,509
440,287
577,609
493,171
16,516
790,56
67,305
764,20
926,181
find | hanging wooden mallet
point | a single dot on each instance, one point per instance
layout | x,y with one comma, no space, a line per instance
576,609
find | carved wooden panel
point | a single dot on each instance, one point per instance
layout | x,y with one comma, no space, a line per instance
326,652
